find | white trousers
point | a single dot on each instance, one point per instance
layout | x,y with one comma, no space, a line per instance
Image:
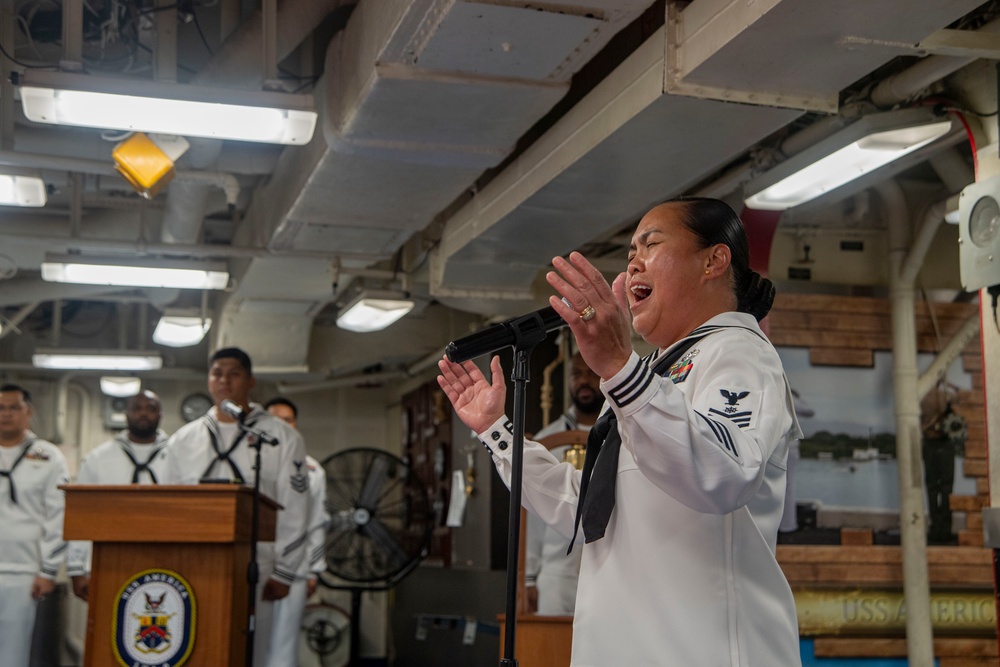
285,627
17,619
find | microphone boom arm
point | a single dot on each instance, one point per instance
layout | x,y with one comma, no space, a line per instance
520,332
261,435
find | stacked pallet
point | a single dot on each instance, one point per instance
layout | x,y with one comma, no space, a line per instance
847,331
868,579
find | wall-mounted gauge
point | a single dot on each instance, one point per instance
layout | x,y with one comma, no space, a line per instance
195,406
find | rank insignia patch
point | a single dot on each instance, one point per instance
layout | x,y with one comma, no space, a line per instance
154,620
300,480
737,404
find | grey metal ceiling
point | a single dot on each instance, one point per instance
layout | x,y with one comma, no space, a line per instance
419,99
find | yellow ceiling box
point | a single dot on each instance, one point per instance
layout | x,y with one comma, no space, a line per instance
147,163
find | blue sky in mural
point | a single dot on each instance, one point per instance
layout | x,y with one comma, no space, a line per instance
851,400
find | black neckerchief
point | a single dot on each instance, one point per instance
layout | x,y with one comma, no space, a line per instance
600,473
139,468
224,456
10,471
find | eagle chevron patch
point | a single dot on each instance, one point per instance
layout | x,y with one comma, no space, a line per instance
737,404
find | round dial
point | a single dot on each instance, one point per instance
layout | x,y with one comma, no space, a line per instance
984,223
195,406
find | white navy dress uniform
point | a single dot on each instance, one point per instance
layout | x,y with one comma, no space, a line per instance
31,542
686,571
288,611
209,449
546,563
117,461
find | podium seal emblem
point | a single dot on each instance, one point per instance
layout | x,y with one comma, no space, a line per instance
154,620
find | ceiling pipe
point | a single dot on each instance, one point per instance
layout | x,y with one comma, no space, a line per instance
161,374
19,292
187,200
914,258
414,369
341,382
224,181
952,169
930,70
190,250
62,406
939,367
244,158
10,323
886,93
57,163
236,65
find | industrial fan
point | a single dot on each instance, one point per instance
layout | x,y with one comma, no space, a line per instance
325,628
380,525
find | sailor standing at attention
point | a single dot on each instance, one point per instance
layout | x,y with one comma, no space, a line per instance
215,448
137,455
31,523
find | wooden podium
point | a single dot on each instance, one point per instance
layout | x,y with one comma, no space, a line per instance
200,532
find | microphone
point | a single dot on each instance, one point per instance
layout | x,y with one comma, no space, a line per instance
233,410
504,334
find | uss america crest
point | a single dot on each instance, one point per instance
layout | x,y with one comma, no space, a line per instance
154,620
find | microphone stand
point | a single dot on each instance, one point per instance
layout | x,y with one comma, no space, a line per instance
525,340
255,438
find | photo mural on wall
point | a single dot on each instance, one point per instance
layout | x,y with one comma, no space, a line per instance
847,417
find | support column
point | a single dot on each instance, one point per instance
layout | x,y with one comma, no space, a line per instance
912,516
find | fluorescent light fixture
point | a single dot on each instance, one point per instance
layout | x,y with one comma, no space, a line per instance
860,148
180,330
139,272
110,360
18,190
120,387
61,98
373,310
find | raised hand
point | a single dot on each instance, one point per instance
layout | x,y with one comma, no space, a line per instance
477,402
598,315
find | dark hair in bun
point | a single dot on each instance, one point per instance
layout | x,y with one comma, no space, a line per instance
712,221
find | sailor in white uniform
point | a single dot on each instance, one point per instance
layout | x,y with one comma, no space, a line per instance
214,448
681,496
288,611
136,455
31,523
550,574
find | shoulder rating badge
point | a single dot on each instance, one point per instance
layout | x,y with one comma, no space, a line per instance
154,620
299,480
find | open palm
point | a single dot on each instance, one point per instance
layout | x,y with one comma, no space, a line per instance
477,402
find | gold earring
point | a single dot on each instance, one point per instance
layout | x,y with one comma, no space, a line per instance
707,272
